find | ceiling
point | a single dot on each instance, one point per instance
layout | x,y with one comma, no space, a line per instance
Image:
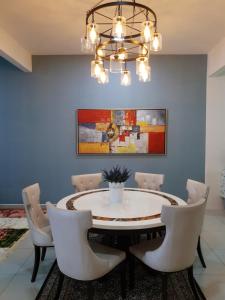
55,26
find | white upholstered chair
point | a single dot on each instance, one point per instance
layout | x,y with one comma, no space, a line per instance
152,182
76,256
176,252
197,190
86,181
149,181
38,224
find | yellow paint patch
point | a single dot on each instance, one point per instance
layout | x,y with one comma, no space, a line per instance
130,149
102,126
93,148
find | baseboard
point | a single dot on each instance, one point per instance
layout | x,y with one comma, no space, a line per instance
14,206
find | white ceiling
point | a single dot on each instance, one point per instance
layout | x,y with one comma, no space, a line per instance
55,26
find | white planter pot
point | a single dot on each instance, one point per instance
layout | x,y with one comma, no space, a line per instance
116,192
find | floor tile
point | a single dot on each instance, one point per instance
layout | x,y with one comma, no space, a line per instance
213,286
25,242
19,288
4,281
14,261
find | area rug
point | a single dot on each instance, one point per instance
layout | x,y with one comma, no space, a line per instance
147,286
9,236
13,226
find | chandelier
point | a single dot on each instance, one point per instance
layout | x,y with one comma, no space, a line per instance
118,33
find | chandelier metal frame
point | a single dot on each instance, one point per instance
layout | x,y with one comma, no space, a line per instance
147,11
120,32
132,56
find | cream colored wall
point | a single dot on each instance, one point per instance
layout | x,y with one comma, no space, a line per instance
215,123
215,138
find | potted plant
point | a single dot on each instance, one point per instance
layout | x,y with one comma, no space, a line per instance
116,178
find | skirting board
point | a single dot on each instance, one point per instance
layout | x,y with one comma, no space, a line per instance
14,206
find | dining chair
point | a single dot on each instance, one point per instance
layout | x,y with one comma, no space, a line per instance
176,252
149,180
38,224
197,190
86,182
77,257
152,182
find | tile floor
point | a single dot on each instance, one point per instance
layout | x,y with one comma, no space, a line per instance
15,270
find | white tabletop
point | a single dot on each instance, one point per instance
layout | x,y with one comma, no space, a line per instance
140,209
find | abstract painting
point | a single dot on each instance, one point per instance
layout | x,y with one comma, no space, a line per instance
122,131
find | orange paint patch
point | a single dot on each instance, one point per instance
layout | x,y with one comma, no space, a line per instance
153,128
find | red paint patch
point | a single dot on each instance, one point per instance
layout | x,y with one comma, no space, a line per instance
122,138
94,116
130,117
156,142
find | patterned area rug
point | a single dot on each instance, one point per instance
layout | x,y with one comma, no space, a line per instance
13,225
147,286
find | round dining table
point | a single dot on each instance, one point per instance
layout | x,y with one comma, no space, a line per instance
139,210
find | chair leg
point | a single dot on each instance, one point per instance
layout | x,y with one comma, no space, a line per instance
43,252
200,253
164,285
59,286
192,282
37,251
123,280
131,271
90,290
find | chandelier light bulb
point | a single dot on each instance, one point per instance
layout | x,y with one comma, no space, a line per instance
147,34
119,28
156,43
122,54
96,68
145,75
125,78
86,46
101,52
141,64
116,64
104,76
92,33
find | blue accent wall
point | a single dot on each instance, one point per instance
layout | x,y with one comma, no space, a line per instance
37,122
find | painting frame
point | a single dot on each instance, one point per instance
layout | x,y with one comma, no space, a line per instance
77,139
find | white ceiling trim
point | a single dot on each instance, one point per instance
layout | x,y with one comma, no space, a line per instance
12,51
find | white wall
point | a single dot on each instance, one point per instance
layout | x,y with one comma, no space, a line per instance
215,123
215,138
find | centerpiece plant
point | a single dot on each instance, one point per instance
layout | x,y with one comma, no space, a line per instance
116,177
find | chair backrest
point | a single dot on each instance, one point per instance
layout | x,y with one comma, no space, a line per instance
74,255
86,181
183,227
36,218
196,190
149,181
31,200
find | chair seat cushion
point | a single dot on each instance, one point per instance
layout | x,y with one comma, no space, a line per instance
140,249
112,255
